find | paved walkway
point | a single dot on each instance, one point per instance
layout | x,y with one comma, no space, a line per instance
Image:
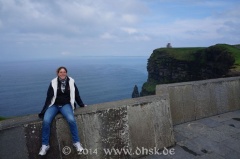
216,137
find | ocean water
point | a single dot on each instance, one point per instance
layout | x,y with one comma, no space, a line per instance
24,84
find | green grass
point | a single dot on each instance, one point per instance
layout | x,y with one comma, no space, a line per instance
187,53
183,54
2,118
235,51
149,87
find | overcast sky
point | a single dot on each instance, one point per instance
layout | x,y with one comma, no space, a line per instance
58,28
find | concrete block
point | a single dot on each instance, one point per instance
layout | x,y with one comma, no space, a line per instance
18,121
233,95
189,112
214,98
199,99
89,127
202,100
64,138
162,89
141,127
176,102
114,132
150,126
220,92
105,129
33,133
13,144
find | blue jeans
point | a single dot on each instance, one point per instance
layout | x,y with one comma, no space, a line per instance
51,112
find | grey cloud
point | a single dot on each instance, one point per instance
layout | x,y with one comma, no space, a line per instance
64,25
73,26
71,17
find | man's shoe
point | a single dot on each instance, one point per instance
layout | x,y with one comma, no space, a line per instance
78,146
44,150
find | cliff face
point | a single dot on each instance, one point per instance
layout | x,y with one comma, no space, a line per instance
170,65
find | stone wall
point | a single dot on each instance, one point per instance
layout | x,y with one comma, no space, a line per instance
199,99
131,124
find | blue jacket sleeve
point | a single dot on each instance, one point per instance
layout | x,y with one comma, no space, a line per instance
77,97
49,97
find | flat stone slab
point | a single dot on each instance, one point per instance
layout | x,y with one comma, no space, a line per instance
209,122
215,137
234,122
